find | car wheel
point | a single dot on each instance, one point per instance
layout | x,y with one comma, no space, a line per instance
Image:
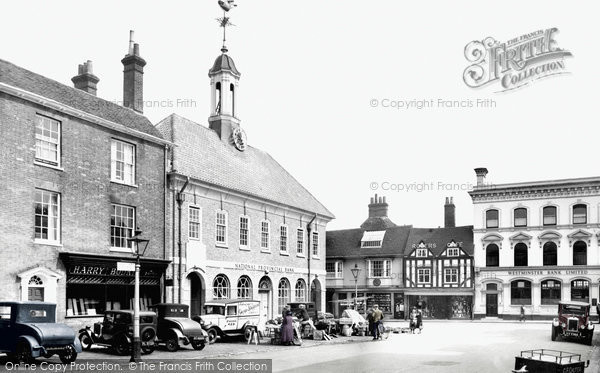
553,333
121,346
588,338
23,353
86,341
198,346
147,350
247,333
213,334
69,356
172,345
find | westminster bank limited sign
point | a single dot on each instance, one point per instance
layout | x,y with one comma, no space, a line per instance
515,63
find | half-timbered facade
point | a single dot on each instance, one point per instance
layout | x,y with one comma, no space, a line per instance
438,272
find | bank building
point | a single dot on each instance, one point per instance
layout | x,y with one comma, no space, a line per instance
536,243
239,226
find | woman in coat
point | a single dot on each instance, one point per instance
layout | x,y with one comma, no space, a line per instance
287,329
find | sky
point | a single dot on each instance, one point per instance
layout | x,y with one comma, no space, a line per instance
320,77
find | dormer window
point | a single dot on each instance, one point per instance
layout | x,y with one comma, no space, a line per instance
421,253
372,239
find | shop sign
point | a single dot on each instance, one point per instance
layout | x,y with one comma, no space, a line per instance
109,270
126,266
536,272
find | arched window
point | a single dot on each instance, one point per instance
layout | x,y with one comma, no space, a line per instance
244,288
35,280
520,292
580,253
221,287
580,214
549,217
580,290
520,217
551,292
550,254
218,98
283,293
491,219
492,255
300,290
520,255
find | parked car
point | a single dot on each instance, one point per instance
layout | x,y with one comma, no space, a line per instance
229,318
29,330
573,321
175,327
116,331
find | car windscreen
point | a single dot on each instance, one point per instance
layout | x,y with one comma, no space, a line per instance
572,309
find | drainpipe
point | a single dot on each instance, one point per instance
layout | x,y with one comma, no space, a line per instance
309,254
180,200
165,219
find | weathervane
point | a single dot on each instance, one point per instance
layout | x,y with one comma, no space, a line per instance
226,5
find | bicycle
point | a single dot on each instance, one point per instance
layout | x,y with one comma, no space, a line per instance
382,331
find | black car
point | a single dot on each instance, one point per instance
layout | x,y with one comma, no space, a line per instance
29,330
175,327
116,331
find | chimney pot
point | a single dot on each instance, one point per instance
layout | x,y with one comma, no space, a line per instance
449,213
481,173
85,79
133,77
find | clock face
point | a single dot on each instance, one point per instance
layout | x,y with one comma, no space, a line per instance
239,139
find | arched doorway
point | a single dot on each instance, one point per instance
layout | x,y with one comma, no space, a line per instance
265,293
197,293
315,294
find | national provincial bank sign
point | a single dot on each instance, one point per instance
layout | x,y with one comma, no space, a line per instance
263,267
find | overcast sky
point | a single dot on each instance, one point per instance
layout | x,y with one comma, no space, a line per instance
310,70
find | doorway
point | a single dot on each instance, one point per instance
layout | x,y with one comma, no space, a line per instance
491,305
196,294
265,288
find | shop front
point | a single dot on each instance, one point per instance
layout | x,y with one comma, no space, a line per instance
441,306
94,284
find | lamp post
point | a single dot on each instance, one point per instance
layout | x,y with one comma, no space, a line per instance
355,271
136,349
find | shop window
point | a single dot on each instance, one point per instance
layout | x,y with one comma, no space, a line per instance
551,292
580,214
580,291
492,255
520,217
491,219
221,287
283,293
300,290
550,254
95,299
580,253
520,255
520,292
549,215
244,288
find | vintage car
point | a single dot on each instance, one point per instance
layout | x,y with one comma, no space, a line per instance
573,321
229,318
175,327
116,331
29,330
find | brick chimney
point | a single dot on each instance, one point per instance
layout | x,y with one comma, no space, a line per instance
481,173
378,208
449,213
133,77
85,78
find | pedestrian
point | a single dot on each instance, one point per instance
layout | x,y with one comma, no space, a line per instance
287,329
370,320
377,317
598,311
522,314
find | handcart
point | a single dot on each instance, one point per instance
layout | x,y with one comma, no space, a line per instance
549,361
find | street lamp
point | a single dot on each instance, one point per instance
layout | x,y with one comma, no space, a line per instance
355,271
136,349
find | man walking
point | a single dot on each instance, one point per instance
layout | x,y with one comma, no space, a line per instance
522,314
377,316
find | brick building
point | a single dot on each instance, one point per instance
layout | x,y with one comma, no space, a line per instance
239,225
536,243
79,173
